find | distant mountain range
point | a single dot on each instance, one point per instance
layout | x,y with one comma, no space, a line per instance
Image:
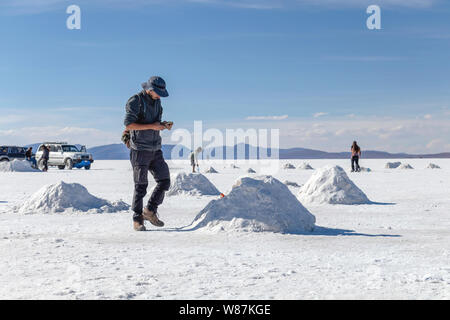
120,152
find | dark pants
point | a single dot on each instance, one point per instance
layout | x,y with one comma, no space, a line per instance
143,162
32,160
355,161
45,164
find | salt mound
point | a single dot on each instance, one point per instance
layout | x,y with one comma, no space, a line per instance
405,166
288,166
192,184
305,166
292,184
17,166
256,204
433,166
331,185
211,170
250,170
392,165
233,166
68,197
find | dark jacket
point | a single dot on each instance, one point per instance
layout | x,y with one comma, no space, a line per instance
142,109
45,153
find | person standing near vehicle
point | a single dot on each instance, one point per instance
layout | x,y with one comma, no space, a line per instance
356,154
29,156
143,125
45,157
29,153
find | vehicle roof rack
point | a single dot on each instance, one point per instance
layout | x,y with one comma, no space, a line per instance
47,142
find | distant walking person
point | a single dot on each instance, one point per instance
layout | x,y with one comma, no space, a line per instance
356,154
45,157
143,125
194,159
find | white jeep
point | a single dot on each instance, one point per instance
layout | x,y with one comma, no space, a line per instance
65,156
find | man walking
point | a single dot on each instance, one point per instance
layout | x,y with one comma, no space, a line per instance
143,122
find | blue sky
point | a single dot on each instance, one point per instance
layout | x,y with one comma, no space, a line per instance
310,68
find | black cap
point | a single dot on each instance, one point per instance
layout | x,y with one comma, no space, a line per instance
156,84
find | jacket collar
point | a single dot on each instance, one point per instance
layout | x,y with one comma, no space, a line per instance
148,97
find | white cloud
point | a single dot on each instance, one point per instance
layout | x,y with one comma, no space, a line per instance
10,119
273,4
283,117
363,58
365,3
319,114
88,136
412,135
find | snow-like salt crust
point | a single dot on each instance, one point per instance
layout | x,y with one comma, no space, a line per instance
192,184
211,170
250,170
17,166
392,165
305,166
256,204
331,184
385,251
405,166
292,184
433,166
67,197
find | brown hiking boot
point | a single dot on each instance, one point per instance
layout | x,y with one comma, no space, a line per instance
152,217
139,225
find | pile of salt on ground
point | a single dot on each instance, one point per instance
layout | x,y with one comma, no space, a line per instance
68,197
17,166
305,166
211,170
250,170
292,184
253,205
194,184
433,166
331,184
392,165
405,166
289,166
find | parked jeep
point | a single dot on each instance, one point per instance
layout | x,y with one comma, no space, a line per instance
65,156
9,153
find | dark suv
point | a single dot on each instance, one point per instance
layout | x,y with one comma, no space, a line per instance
9,153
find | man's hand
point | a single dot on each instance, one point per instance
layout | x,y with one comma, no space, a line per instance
158,126
167,124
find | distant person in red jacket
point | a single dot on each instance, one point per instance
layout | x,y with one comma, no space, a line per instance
356,154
